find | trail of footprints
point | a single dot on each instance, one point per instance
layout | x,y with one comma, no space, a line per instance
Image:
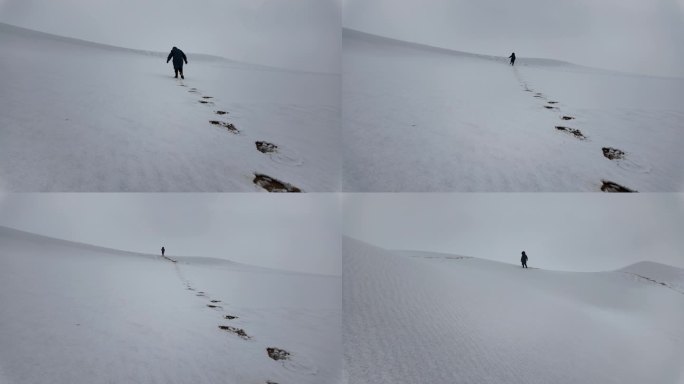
277,354
269,183
608,152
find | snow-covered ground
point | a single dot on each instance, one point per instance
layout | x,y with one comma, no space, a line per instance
417,317
416,118
78,116
76,313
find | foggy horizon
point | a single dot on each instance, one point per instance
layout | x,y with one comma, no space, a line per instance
626,36
564,232
298,35
512,261
299,234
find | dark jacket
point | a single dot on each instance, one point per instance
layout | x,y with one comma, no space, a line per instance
512,56
523,258
178,57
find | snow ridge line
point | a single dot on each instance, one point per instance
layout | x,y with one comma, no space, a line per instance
169,259
666,285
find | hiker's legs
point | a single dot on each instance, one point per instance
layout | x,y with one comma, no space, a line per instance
176,71
181,72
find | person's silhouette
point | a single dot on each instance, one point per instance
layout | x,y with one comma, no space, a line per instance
178,58
523,260
163,250
512,57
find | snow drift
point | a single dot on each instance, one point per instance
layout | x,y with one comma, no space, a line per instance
419,118
417,317
81,116
75,313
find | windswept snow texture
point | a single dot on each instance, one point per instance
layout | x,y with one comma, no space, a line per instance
417,118
79,116
412,317
74,313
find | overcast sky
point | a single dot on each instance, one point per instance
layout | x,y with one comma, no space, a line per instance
643,36
301,34
293,232
573,232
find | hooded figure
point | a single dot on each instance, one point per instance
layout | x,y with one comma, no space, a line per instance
178,59
512,57
163,250
523,260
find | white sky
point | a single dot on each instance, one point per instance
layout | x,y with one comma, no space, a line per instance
299,34
643,36
292,232
574,232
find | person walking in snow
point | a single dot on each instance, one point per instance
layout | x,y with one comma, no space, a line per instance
178,59
163,250
523,260
512,57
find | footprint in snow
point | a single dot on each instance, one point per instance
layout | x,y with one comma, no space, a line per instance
237,331
610,186
620,157
292,362
572,131
613,153
272,184
266,147
229,126
278,154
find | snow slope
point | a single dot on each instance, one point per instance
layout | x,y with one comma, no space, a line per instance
664,275
418,118
75,313
413,317
80,116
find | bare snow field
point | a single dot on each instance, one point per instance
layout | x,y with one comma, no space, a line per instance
418,118
75,313
418,317
84,117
